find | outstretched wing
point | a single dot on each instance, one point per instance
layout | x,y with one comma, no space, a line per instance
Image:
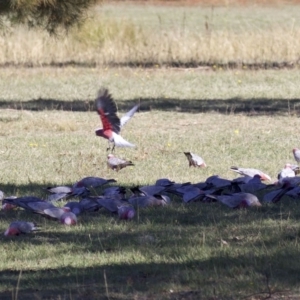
129,115
120,142
107,110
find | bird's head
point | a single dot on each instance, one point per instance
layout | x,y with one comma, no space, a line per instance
12,231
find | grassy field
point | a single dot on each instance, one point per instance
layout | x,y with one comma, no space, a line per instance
148,35
230,116
244,118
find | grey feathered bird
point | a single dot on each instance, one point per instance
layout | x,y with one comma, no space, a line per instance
116,163
19,227
195,160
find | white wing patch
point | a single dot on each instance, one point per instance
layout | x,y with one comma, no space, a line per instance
120,142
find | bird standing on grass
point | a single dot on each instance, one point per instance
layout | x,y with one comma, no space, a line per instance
116,163
296,153
195,160
107,110
251,172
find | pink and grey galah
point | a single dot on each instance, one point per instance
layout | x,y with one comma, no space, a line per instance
253,185
116,163
195,160
237,200
112,124
68,218
126,212
68,191
92,182
251,172
148,201
287,171
296,153
19,227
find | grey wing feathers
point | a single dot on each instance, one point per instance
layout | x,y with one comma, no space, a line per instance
129,115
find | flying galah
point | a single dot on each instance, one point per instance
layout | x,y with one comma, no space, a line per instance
195,160
19,227
251,172
107,110
296,153
116,163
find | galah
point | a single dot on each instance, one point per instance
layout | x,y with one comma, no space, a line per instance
173,189
56,197
252,185
93,182
296,153
287,171
107,110
75,207
294,193
68,218
164,182
116,163
111,204
189,193
195,160
217,182
148,190
251,172
8,206
19,227
146,201
38,206
68,191
90,204
126,212
292,181
23,202
116,192
275,195
242,179
237,200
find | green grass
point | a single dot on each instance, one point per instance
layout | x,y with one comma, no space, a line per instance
244,118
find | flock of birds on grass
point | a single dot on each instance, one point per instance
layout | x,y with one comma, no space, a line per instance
237,193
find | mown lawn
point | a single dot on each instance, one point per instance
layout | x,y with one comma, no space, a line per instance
182,251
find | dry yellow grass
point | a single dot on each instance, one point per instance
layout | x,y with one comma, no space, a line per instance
148,35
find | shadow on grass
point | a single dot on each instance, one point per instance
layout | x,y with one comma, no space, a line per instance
260,106
172,255
196,279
